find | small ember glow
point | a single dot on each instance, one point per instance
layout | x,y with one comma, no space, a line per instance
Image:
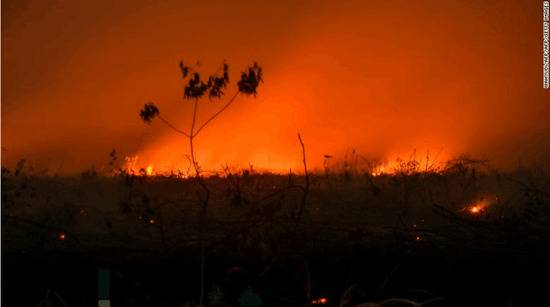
62,236
320,301
475,209
152,221
480,206
418,238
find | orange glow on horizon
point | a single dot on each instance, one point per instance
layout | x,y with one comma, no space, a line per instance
167,164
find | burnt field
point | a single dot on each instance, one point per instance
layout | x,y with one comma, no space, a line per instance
465,236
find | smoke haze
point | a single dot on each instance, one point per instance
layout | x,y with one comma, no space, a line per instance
382,77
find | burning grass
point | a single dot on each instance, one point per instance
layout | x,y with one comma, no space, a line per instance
149,205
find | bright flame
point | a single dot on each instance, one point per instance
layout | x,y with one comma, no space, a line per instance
131,166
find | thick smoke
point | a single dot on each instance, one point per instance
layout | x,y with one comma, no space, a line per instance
386,78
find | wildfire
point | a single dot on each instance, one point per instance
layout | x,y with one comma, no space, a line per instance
149,170
320,301
479,207
130,165
409,166
378,171
132,168
475,209
160,164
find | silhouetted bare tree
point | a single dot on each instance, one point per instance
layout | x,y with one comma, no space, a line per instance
196,88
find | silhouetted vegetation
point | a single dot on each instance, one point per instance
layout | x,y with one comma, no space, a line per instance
196,88
253,225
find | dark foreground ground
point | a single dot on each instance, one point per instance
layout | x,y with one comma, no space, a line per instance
480,279
350,238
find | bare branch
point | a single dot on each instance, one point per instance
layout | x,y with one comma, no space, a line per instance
191,136
217,113
306,174
173,127
304,157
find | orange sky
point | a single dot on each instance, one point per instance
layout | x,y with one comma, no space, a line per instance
382,77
